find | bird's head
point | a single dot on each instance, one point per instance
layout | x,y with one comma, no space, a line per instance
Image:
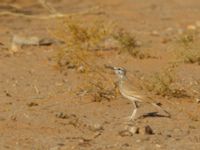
120,72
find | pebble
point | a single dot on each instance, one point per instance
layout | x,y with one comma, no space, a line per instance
23,40
81,69
191,27
46,42
18,41
146,130
158,146
133,130
129,131
125,133
31,104
96,127
198,100
138,43
155,33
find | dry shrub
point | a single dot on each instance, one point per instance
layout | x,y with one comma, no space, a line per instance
81,39
82,43
189,51
80,52
164,83
128,43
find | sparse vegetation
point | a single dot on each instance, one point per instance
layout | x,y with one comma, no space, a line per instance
128,43
83,40
82,43
189,51
164,83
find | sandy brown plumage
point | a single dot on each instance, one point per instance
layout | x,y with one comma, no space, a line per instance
131,89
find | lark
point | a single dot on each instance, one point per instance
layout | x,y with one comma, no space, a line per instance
132,93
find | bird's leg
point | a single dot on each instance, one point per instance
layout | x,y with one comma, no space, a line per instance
160,108
132,117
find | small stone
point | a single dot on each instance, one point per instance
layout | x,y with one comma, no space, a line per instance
24,40
125,133
7,93
71,66
31,104
84,142
81,69
165,40
138,43
155,33
198,100
96,134
96,127
46,42
146,130
125,145
138,141
158,146
133,130
191,27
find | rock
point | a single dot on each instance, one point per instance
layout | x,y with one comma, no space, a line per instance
146,130
155,33
20,41
46,42
133,130
23,40
7,93
81,69
125,133
84,142
129,131
198,100
138,43
31,104
191,27
158,146
96,127
97,134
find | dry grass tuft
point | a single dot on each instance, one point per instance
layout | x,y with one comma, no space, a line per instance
128,43
189,51
80,52
164,83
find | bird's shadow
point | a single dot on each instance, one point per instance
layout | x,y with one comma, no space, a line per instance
153,114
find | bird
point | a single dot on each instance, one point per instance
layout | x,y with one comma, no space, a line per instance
132,93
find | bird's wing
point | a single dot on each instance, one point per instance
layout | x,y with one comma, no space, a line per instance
133,88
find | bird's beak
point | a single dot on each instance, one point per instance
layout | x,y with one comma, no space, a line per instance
109,67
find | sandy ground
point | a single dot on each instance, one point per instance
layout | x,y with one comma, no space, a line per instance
38,108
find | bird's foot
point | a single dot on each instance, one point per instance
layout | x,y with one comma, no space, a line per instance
130,118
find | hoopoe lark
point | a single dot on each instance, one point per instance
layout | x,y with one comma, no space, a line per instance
131,92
